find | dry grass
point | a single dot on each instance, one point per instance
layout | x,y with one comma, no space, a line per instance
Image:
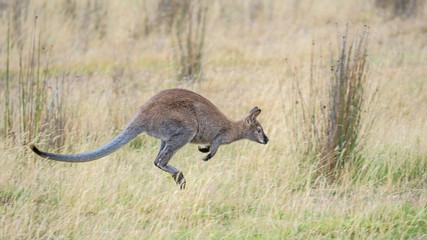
332,117
98,73
190,30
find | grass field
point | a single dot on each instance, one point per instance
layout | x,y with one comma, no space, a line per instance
72,77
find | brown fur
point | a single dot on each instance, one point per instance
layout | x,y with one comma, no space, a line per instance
177,117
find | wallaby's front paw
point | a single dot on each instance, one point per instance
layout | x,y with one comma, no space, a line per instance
180,180
204,149
209,156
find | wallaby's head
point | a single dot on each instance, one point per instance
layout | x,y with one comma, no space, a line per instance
254,131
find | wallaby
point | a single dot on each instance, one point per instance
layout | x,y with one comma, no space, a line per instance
177,117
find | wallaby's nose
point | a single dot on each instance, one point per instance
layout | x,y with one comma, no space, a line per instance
266,140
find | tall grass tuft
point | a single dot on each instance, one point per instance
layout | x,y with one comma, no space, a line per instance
7,110
32,92
32,102
330,120
346,104
189,31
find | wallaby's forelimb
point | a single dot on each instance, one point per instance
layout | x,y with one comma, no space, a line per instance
212,148
205,149
209,156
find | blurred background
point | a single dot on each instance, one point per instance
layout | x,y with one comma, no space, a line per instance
341,85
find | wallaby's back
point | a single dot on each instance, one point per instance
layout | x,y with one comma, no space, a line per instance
183,107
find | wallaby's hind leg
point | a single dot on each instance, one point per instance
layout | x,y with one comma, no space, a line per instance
168,149
162,146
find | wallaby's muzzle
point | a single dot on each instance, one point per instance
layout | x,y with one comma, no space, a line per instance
266,139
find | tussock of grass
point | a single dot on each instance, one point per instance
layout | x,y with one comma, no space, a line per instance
331,122
340,141
189,28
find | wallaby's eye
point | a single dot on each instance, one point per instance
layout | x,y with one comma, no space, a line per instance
259,130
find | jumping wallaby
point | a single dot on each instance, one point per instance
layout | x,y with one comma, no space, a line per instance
177,117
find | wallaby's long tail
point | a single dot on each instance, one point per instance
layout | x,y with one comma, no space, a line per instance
124,137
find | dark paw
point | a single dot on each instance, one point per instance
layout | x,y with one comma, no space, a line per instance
204,149
182,185
209,156
180,180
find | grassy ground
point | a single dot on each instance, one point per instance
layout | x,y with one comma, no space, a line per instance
100,66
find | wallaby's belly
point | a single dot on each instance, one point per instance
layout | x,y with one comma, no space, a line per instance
201,137
166,125
205,135
199,140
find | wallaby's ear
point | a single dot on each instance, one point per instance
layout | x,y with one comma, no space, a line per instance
252,115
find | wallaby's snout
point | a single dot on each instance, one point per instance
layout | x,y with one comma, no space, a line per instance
266,139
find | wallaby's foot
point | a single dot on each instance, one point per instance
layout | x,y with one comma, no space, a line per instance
209,156
204,149
179,179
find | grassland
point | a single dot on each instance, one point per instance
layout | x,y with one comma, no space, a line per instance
96,63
